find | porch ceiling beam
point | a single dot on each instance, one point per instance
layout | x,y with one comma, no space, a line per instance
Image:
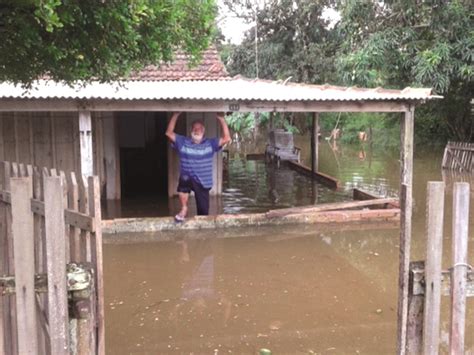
202,105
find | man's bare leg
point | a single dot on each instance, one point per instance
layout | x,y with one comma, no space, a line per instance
183,199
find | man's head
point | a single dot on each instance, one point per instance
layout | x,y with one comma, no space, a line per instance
197,131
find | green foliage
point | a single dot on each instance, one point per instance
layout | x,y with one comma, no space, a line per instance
103,40
392,44
402,43
241,123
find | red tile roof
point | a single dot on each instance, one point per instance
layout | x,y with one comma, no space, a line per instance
209,68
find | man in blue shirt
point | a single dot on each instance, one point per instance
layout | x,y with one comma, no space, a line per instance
196,156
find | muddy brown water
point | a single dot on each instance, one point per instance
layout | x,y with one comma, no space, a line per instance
293,290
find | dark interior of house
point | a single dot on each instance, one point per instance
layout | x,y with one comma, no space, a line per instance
143,154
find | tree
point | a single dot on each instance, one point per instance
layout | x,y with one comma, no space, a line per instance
399,43
293,41
69,40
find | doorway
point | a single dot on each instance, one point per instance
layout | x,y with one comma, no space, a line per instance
143,154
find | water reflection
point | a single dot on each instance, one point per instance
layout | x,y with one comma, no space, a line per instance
253,186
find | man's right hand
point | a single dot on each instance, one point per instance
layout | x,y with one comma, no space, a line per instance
171,125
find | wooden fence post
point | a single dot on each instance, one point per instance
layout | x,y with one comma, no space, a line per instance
22,231
434,253
94,200
73,204
11,170
56,265
460,267
86,327
5,326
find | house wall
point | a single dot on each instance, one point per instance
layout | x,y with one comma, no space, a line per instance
39,138
49,139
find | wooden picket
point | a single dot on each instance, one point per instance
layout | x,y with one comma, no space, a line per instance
428,283
50,223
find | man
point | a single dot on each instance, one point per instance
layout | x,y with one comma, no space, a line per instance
196,157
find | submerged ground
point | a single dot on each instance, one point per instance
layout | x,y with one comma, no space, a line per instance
294,290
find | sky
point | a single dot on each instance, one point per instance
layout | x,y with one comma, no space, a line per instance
234,28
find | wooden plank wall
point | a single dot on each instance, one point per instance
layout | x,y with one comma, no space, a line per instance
49,139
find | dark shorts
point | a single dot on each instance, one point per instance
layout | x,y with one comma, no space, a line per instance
187,184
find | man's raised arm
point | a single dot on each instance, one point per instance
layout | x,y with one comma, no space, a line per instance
225,130
170,129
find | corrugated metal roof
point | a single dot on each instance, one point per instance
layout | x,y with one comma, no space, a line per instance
237,89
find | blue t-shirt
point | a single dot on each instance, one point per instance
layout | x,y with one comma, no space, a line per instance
196,159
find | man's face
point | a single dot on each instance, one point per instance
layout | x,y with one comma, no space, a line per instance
197,132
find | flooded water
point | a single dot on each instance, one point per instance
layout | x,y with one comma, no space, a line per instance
252,186
293,290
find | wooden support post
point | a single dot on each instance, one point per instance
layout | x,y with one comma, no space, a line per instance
22,230
406,200
315,143
56,265
85,139
54,155
434,254
112,159
460,267
272,115
16,138
2,141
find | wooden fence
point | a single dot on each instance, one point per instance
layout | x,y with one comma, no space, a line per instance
51,262
428,282
459,156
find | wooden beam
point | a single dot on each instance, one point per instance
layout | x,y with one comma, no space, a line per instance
315,143
337,206
85,139
406,201
201,105
325,179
